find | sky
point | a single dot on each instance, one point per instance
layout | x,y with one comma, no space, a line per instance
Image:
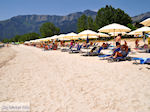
10,8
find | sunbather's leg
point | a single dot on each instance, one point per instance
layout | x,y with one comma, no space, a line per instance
117,54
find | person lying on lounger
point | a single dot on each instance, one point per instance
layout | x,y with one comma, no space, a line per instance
122,52
94,48
105,45
46,47
136,43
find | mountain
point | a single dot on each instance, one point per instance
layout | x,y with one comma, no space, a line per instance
141,17
22,24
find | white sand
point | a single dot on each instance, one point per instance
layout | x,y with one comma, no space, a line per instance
53,81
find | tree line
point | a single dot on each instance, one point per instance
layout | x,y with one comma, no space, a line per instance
105,16
46,30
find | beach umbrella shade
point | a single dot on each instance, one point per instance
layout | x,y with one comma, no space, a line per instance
102,35
146,22
114,28
116,33
54,37
143,29
62,37
89,33
71,35
134,33
47,39
89,37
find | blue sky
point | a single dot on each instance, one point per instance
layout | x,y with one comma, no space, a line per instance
10,8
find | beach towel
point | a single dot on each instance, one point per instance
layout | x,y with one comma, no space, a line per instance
142,60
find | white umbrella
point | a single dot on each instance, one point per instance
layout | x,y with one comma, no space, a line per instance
71,35
54,37
146,22
62,37
90,37
116,33
102,35
32,41
47,39
142,29
134,33
26,42
114,28
89,33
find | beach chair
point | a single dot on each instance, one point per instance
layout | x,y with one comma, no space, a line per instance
107,55
96,53
77,50
142,60
66,49
87,46
123,58
83,50
143,50
111,59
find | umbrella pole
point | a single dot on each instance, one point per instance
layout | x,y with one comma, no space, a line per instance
144,38
114,38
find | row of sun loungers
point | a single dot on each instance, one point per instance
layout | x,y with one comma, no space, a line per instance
95,50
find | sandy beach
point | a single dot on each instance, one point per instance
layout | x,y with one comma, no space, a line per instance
55,81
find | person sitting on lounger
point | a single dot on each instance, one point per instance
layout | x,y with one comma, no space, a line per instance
71,43
76,45
46,47
136,43
94,48
105,45
122,52
84,45
91,43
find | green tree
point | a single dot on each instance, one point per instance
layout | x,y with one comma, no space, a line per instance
110,15
29,36
137,24
16,38
82,23
90,23
131,26
5,40
48,29
25,37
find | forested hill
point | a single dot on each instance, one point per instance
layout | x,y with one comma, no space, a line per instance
19,25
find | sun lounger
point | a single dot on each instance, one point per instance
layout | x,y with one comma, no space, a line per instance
107,55
144,51
111,59
94,53
66,49
77,50
123,58
83,50
142,60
